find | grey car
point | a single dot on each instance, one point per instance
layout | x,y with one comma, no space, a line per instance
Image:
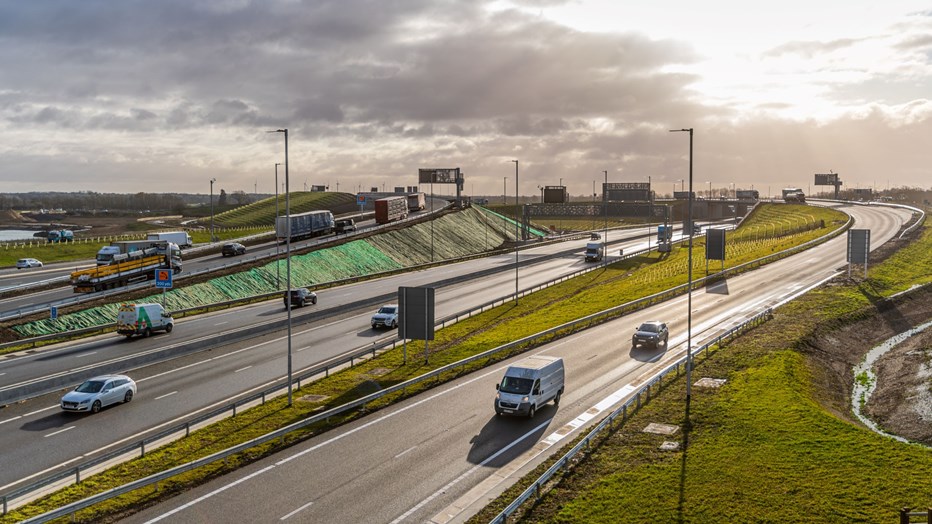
99,392
650,334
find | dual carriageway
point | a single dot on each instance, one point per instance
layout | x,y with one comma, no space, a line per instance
435,457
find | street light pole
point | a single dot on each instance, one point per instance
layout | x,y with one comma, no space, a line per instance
278,270
517,210
605,219
288,257
212,180
689,277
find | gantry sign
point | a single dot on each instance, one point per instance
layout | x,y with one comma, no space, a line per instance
830,179
626,192
448,175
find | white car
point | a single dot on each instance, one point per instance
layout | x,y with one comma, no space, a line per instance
99,392
386,316
24,263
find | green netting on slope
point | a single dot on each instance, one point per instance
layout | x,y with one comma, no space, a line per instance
500,217
352,259
454,235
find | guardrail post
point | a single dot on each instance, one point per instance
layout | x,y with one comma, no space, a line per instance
234,409
904,516
4,505
187,429
142,447
77,475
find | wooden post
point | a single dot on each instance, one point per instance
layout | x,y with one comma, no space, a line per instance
904,516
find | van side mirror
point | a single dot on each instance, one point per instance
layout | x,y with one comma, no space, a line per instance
496,387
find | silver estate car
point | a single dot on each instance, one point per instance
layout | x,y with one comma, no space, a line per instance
99,392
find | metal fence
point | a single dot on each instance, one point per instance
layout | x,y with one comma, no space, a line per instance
639,397
53,482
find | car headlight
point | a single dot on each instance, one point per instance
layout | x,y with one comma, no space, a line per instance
498,396
525,399
85,401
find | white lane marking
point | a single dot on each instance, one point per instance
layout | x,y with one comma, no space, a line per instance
59,431
296,511
412,448
165,395
40,410
329,441
242,369
85,354
10,419
224,488
470,471
222,323
1,374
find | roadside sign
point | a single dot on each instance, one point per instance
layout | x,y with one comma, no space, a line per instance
53,312
163,278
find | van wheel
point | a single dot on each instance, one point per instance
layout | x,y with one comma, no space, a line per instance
530,412
95,408
147,332
556,399
128,396
169,328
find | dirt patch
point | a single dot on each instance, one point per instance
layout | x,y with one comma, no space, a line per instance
901,404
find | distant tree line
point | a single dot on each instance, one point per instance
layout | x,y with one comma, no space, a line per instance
118,203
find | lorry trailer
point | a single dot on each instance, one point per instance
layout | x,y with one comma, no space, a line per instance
304,225
182,238
416,202
391,208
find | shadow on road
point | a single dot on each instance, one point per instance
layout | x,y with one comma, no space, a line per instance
718,288
501,431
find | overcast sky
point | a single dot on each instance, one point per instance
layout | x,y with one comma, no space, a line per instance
161,96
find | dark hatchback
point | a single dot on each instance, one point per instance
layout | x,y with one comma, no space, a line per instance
232,249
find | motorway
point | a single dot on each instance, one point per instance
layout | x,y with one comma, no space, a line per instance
441,455
38,438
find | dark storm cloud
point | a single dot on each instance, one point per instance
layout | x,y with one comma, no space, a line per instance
330,62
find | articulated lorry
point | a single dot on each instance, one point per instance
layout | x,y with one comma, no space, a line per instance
794,195
182,238
416,202
391,208
304,225
124,262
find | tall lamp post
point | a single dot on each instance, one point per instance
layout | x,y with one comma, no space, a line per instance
287,257
605,218
517,210
278,271
212,180
689,277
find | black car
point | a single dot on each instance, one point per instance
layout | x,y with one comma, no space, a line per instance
653,334
232,249
301,296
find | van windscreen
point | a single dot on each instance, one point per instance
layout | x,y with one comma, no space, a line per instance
516,385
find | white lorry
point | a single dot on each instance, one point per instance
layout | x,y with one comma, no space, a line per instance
143,319
594,251
181,238
529,384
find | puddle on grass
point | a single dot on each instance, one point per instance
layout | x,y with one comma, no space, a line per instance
865,380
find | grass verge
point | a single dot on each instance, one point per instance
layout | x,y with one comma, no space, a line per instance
769,446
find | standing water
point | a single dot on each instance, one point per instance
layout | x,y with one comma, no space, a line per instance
865,380
10,235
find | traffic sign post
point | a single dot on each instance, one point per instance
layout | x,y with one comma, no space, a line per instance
163,280
53,312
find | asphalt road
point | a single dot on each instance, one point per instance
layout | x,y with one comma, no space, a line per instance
439,456
37,437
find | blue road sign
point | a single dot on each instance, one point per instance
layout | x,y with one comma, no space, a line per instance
163,278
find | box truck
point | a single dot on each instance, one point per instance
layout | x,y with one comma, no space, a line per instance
182,238
529,384
594,251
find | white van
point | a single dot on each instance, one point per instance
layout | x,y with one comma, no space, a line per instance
143,319
529,384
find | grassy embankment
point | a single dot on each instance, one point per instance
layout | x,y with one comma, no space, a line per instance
595,291
766,447
236,223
